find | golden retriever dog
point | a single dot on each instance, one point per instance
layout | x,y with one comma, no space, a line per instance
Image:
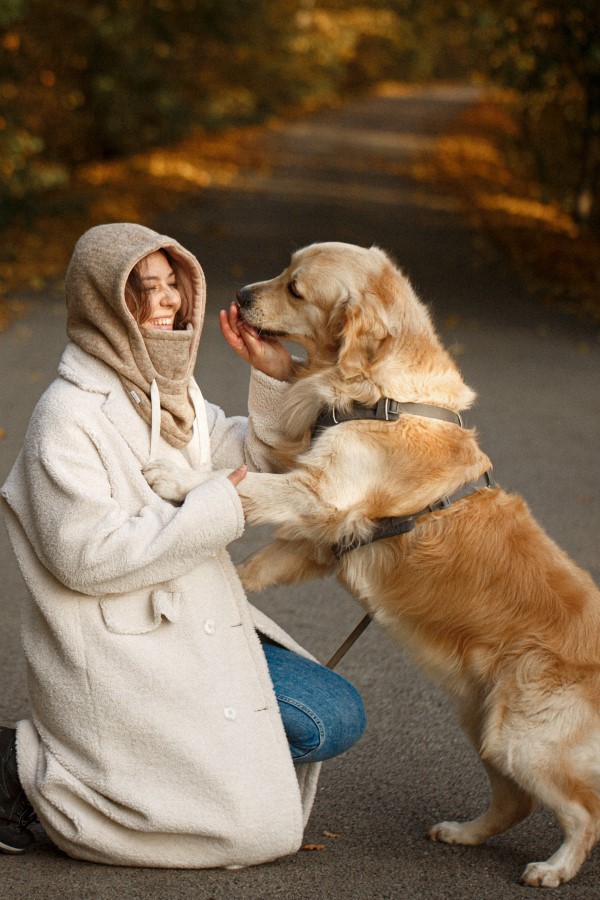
488,605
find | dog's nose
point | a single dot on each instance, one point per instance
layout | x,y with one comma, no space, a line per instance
244,297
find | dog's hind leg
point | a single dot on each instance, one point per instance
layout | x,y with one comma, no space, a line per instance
576,805
550,744
509,804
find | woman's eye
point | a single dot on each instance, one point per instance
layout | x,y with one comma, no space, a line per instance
294,290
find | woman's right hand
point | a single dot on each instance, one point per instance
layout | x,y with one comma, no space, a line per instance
238,475
267,354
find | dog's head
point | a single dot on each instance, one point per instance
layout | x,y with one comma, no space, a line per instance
337,300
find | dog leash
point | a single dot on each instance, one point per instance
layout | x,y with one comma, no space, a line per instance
351,639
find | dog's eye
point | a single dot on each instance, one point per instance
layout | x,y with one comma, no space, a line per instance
294,290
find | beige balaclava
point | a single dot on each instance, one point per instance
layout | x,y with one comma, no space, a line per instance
99,321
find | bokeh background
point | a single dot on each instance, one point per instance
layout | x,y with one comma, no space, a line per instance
460,136
90,91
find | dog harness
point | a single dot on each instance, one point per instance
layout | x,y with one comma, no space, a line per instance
385,410
388,410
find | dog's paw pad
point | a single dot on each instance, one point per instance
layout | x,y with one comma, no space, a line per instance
543,874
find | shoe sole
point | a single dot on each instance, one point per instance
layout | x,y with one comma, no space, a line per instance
4,848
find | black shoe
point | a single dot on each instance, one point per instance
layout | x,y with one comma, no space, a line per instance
16,812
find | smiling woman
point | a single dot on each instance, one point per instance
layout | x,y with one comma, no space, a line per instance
153,293
232,714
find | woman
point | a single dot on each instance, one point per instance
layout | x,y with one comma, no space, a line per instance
172,723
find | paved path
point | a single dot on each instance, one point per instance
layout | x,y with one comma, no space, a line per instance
336,176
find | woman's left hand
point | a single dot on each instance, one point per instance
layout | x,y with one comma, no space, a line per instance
266,354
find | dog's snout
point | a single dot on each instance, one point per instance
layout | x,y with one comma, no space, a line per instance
244,297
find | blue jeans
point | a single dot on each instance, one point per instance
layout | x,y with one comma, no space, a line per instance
323,714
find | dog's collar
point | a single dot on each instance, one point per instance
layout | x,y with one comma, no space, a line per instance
385,410
391,526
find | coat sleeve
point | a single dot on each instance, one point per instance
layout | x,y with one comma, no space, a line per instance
236,440
61,493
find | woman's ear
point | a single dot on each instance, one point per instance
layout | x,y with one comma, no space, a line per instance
362,329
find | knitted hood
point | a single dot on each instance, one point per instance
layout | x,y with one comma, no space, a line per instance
151,364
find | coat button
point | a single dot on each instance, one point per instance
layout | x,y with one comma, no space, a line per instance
209,626
229,712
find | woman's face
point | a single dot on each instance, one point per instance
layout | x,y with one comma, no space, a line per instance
160,290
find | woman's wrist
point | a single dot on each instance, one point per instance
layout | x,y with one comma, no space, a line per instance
280,372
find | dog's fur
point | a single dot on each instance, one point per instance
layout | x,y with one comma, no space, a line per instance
486,602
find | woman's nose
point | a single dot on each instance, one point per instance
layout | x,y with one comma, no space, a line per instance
168,296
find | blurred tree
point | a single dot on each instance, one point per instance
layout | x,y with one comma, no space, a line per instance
549,52
93,79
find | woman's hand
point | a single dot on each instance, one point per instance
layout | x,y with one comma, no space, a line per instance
266,354
237,475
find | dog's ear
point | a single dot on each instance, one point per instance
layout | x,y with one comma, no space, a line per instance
362,327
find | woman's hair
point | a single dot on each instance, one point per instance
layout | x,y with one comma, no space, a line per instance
137,300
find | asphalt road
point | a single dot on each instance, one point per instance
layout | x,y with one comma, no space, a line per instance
334,176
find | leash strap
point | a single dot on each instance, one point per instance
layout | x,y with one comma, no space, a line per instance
351,639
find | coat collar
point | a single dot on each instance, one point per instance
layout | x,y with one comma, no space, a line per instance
91,374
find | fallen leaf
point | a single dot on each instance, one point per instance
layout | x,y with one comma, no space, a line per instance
330,834
313,847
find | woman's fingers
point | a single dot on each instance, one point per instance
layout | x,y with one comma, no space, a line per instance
231,334
238,475
266,354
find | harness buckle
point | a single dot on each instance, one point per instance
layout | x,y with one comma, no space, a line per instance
387,409
444,503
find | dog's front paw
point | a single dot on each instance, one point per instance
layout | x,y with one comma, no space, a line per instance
248,505
248,577
168,480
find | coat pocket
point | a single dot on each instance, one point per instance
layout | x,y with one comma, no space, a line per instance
140,611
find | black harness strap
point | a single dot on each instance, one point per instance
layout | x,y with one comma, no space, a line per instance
391,526
385,410
388,410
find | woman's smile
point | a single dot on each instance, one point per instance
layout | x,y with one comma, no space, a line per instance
160,288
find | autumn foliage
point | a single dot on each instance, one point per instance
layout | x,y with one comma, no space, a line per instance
102,99
83,81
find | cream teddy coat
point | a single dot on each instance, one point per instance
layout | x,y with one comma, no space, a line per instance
155,737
